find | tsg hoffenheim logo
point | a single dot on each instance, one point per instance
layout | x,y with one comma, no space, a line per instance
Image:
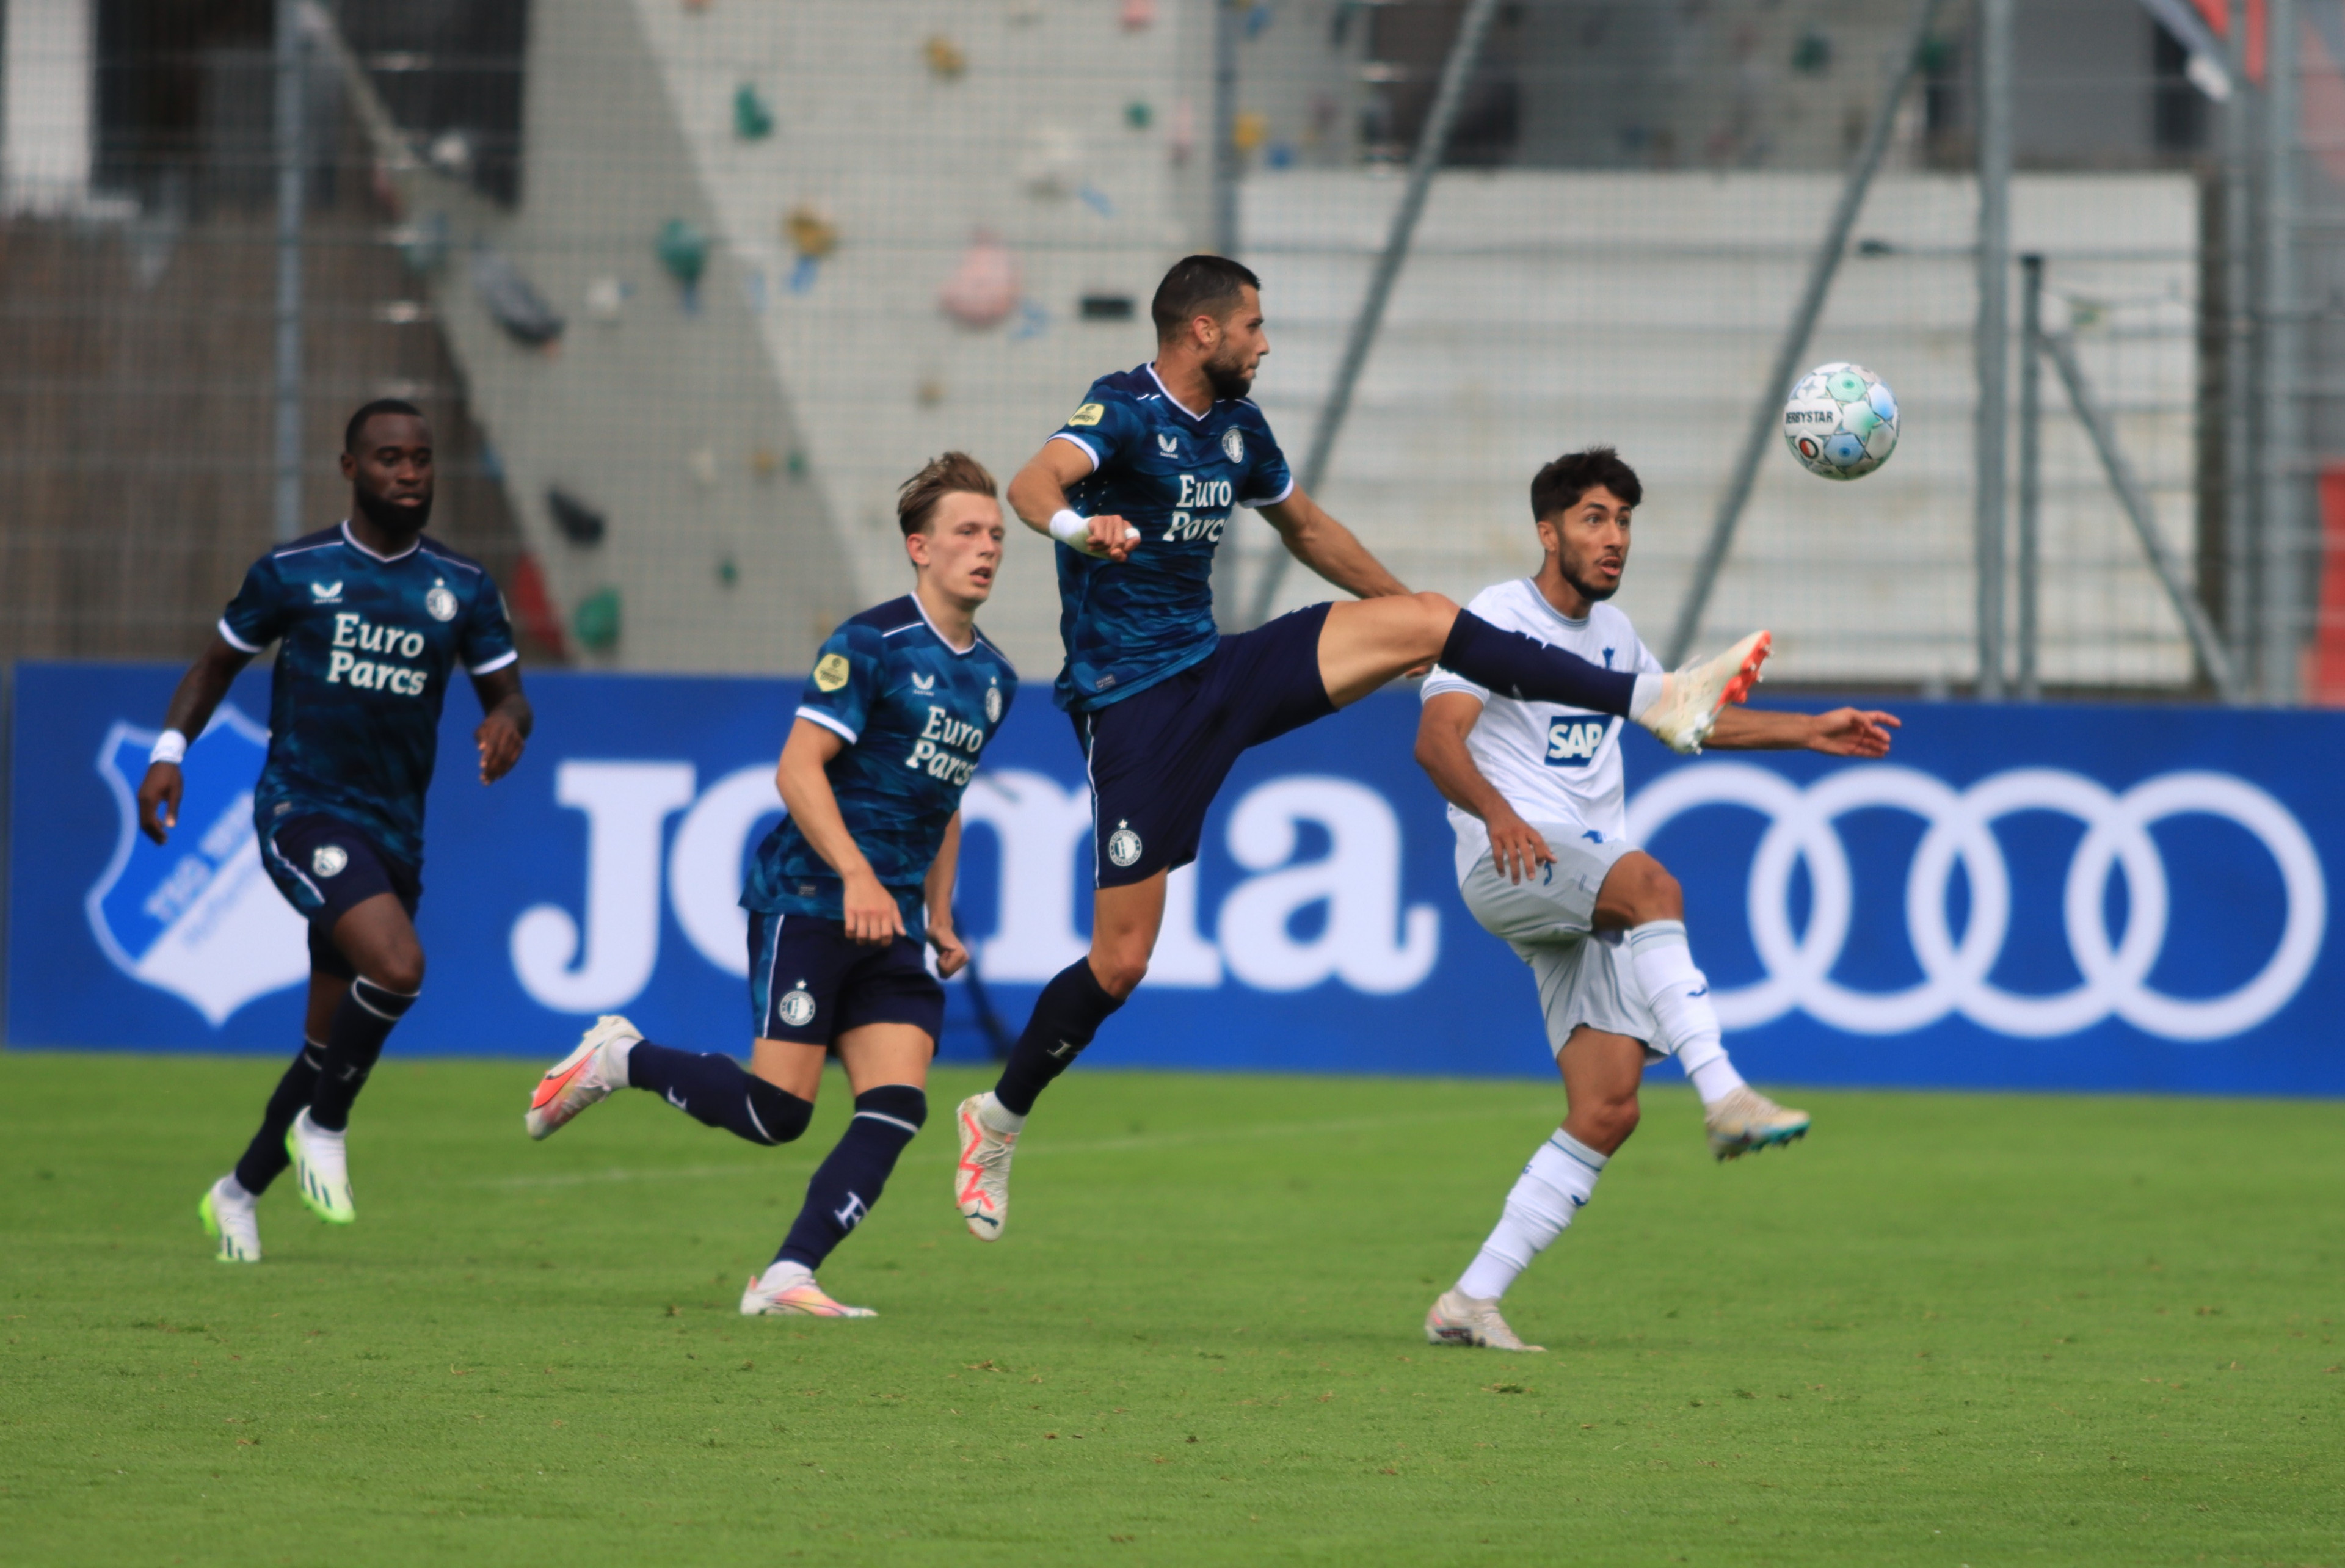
197,916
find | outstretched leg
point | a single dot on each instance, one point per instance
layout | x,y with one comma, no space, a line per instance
1640,898
1368,642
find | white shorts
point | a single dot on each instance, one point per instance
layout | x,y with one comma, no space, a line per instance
1584,975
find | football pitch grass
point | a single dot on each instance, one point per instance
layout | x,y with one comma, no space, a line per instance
1946,1330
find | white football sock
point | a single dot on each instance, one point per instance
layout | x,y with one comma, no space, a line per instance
228,1187
999,1118
1559,1179
624,1053
1714,1075
784,1274
1678,992
1646,692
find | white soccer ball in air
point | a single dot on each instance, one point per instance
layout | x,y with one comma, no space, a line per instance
1841,422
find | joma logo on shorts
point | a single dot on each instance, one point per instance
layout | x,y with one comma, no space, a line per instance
1574,743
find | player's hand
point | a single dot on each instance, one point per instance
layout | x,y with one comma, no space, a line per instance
1112,538
1853,733
158,800
952,954
499,740
869,912
1517,848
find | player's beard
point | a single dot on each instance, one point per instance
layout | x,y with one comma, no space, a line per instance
1231,379
1587,591
390,517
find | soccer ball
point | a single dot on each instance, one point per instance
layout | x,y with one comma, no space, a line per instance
1841,422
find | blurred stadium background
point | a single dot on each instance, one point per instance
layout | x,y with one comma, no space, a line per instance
691,284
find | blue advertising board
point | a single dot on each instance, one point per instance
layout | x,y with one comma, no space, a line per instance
2046,896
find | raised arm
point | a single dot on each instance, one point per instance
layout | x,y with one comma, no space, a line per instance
506,718
1515,847
935,892
1842,733
869,910
1038,493
200,691
1329,549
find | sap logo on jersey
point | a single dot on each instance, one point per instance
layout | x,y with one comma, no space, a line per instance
939,739
197,916
353,630
1574,743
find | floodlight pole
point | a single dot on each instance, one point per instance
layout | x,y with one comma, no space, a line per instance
2279,614
2240,498
292,168
2030,681
1768,420
1432,142
1993,340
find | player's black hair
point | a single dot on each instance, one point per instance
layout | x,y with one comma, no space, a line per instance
1557,487
1198,286
357,427
916,501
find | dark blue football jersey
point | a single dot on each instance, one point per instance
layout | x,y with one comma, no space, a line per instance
916,714
366,646
1174,476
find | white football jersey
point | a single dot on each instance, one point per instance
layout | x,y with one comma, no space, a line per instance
1553,763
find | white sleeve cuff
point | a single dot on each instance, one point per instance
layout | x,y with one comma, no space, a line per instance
1445,680
228,636
1080,445
509,656
816,716
1270,499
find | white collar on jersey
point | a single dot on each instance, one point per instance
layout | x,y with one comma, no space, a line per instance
973,638
351,539
1531,587
1198,418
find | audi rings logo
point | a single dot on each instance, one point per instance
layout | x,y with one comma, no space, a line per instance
1801,827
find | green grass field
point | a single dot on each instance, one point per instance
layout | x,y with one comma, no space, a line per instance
1946,1330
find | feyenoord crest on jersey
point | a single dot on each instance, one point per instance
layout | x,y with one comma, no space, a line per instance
1234,444
440,605
993,704
1123,845
329,859
797,1008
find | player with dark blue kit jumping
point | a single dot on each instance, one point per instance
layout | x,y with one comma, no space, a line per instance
901,705
372,618
1137,487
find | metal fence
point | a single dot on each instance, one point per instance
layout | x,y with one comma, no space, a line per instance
690,284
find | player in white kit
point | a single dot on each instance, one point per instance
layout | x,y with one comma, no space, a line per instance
1544,861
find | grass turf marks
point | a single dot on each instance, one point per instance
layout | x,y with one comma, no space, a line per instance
1943,1329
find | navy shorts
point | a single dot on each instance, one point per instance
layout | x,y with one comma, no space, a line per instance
324,866
808,983
1159,757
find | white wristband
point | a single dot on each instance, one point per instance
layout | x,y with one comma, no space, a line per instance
1071,529
170,746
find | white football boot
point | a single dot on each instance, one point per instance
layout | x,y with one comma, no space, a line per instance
789,1292
585,1077
1457,1319
233,1222
322,1169
1687,707
1747,1121
982,1179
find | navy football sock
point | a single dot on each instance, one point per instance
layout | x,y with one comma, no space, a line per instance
848,1182
714,1089
266,1155
1527,670
361,1024
1067,1015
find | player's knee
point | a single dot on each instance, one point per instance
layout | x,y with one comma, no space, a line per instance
1435,613
1615,1121
400,970
1637,890
1119,972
